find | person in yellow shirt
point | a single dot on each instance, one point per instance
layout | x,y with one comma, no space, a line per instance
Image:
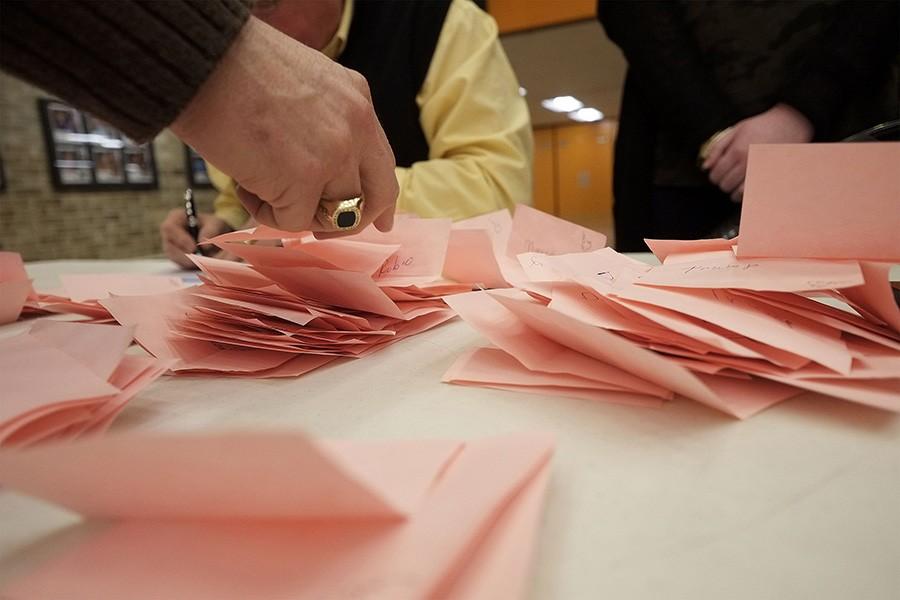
443,90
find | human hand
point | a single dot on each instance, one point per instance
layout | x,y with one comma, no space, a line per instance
177,242
291,127
726,161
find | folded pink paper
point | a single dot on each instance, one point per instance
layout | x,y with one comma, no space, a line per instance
833,201
663,249
85,287
15,287
735,333
63,379
494,368
536,231
13,295
275,515
761,274
297,302
876,295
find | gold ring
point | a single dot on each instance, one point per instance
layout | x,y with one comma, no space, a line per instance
341,215
709,143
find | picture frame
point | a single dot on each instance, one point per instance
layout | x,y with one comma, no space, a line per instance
195,167
85,153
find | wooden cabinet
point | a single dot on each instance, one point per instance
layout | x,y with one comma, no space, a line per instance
519,15
544,195
573,172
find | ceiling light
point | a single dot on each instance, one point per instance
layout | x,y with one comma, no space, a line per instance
586,115
562,104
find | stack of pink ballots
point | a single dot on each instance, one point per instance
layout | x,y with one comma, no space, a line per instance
63,380
738,334
276,515
297,302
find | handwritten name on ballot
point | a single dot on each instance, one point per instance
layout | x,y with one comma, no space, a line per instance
535,231
770,275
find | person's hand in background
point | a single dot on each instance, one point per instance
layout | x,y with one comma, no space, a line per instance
177,241
291,127
726,162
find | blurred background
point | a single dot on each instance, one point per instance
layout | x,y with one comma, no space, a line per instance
72,188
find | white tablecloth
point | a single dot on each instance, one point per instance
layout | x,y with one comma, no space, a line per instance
801,501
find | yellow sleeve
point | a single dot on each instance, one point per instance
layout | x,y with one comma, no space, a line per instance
476,123
226,205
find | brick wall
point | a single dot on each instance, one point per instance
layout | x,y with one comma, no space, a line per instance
43,223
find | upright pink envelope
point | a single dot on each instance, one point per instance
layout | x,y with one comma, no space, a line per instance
15,287
278,515
470,258
11,267
822,201
13,295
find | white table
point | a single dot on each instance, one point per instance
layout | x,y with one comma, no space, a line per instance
801,501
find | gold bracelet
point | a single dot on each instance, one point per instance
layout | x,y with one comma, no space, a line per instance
709,143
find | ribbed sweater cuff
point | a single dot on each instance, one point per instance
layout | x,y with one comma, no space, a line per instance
134,63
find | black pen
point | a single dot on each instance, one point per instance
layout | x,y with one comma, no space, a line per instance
193,223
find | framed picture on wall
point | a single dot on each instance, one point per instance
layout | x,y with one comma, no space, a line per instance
86,153
195,167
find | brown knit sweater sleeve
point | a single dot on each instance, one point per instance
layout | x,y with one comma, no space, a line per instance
134,63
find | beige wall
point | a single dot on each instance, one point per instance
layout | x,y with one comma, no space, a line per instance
43,223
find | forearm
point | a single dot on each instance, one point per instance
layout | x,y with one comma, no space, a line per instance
134,63
477,126
459,188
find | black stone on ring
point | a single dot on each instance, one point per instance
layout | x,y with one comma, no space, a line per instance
341,214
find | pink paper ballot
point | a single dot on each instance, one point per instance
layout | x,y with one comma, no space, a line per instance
663,249
302,479
11,267
470,259
468,516
12,298
15,287
536,231
83,287
822,201
63,379
763,274
297,303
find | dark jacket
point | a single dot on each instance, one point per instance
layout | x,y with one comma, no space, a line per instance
696,67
